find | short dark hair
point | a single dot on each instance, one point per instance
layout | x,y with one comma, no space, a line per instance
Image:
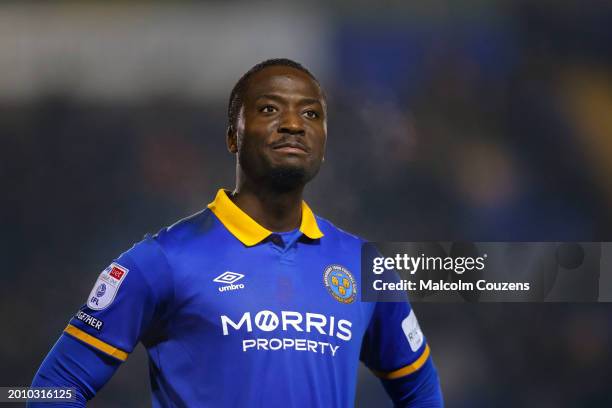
237,95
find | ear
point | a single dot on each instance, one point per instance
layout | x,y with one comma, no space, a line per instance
231,139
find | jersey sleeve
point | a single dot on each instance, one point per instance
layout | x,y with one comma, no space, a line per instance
72,364
126,301
394,345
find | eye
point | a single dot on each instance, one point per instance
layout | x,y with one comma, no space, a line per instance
267,109
310,114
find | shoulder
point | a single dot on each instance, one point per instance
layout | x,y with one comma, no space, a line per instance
186,230
154,249
338,235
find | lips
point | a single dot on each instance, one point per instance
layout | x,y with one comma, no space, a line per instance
290,147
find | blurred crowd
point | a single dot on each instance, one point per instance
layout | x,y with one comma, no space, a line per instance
493,124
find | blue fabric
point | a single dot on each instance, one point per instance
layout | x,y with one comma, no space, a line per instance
290,237
418,390
72,364
284,328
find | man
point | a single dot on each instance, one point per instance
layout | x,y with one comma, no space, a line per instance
254,301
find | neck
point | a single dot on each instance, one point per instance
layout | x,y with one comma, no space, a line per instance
277,211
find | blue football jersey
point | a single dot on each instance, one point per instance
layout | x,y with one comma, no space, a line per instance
232,314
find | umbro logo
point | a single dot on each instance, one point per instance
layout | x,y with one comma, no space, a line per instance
229,278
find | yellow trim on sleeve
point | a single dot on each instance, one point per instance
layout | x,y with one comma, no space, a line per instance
404,371
246,229
99,344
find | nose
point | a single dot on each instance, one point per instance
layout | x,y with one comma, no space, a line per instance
291,123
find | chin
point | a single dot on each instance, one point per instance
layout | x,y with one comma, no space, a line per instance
286,178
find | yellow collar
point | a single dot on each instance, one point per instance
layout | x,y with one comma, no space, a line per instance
246,229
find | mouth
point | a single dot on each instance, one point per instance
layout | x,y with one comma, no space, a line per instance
290,147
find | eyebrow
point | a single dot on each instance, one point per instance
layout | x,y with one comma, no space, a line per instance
278,98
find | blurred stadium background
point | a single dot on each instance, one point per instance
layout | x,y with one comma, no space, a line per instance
479,119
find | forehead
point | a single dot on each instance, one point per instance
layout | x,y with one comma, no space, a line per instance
283,80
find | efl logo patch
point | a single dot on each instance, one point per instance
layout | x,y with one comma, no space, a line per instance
340,283
117,272
106,287
412,330
229,278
